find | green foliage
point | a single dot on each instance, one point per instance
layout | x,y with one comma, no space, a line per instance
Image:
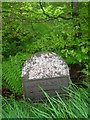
76,106
72,52
12,72
27,30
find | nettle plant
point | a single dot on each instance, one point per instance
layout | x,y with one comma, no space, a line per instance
12,73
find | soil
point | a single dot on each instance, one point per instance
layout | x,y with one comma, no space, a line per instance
76,76
6,93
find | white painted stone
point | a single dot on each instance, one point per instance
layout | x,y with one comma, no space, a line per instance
45,65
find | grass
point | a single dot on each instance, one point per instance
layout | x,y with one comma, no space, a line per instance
75,106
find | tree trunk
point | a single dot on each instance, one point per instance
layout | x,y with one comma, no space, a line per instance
75,15
75,8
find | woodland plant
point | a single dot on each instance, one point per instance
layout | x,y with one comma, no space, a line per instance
33,31
11,76
76,106
25,33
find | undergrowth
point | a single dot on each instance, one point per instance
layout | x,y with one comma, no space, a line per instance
11,75
75,106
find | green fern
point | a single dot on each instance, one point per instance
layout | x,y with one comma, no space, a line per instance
12,72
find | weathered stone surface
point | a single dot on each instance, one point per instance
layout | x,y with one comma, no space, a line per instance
46,70
44,65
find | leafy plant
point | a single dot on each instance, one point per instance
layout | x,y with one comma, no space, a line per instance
76,106
27,30
12,72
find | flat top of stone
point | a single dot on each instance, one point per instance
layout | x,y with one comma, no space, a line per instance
45,65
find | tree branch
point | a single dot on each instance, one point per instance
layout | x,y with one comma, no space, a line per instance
52,17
